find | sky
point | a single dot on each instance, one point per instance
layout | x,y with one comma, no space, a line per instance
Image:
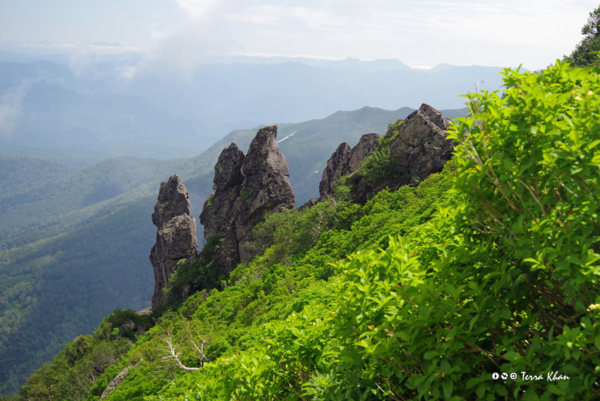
420,33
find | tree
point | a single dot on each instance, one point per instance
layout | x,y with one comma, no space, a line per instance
582,55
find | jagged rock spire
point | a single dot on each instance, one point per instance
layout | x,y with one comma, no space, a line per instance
246,188
176,234
220,209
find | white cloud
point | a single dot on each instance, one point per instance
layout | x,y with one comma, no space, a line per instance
11,106
461,32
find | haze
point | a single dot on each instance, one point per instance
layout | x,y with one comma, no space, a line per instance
421,34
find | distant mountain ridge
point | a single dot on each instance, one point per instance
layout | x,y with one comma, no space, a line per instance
93,105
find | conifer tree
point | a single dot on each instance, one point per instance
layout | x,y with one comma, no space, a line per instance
582,56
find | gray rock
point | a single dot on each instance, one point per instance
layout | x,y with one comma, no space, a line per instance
246,188
308,203
175,237
345,161
335,169
266,183
219,211
365,148
114,383
421,147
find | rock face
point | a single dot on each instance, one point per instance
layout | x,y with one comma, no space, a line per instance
345,161
176,234
421,147
246,188
219,212
114,383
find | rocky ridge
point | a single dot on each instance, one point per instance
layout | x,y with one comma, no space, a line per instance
247,187
176,235
419,148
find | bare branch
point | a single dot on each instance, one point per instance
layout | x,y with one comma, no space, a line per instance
173,354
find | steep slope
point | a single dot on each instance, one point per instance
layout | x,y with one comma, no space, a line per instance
50,240
442,290
21,173
85,194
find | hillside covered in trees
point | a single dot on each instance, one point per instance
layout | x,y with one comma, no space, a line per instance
479,281
432,290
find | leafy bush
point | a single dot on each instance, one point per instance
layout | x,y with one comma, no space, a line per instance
204,273
381,167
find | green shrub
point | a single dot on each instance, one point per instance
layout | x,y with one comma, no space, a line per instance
204,273
381,167
504,280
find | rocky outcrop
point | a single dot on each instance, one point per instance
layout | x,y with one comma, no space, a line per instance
345,161
220,209
246,188
421,147
309,203
114,383
175,237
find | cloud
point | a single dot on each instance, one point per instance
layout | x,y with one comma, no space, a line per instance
428,32
11,106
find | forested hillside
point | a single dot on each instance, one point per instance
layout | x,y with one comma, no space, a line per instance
470,284
74,241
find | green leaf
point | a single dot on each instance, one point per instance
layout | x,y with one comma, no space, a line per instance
450,289
555,390
530,396
512,356
593,145
431,354
501,390
473,321
597,342
473,381
506,314
480,391
447,386
510,166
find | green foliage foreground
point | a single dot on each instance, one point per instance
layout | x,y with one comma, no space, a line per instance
490,267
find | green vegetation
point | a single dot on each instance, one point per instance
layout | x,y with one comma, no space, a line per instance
423,293
204,273
74,371
585,54
21,173
381,167
246,196
74,246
